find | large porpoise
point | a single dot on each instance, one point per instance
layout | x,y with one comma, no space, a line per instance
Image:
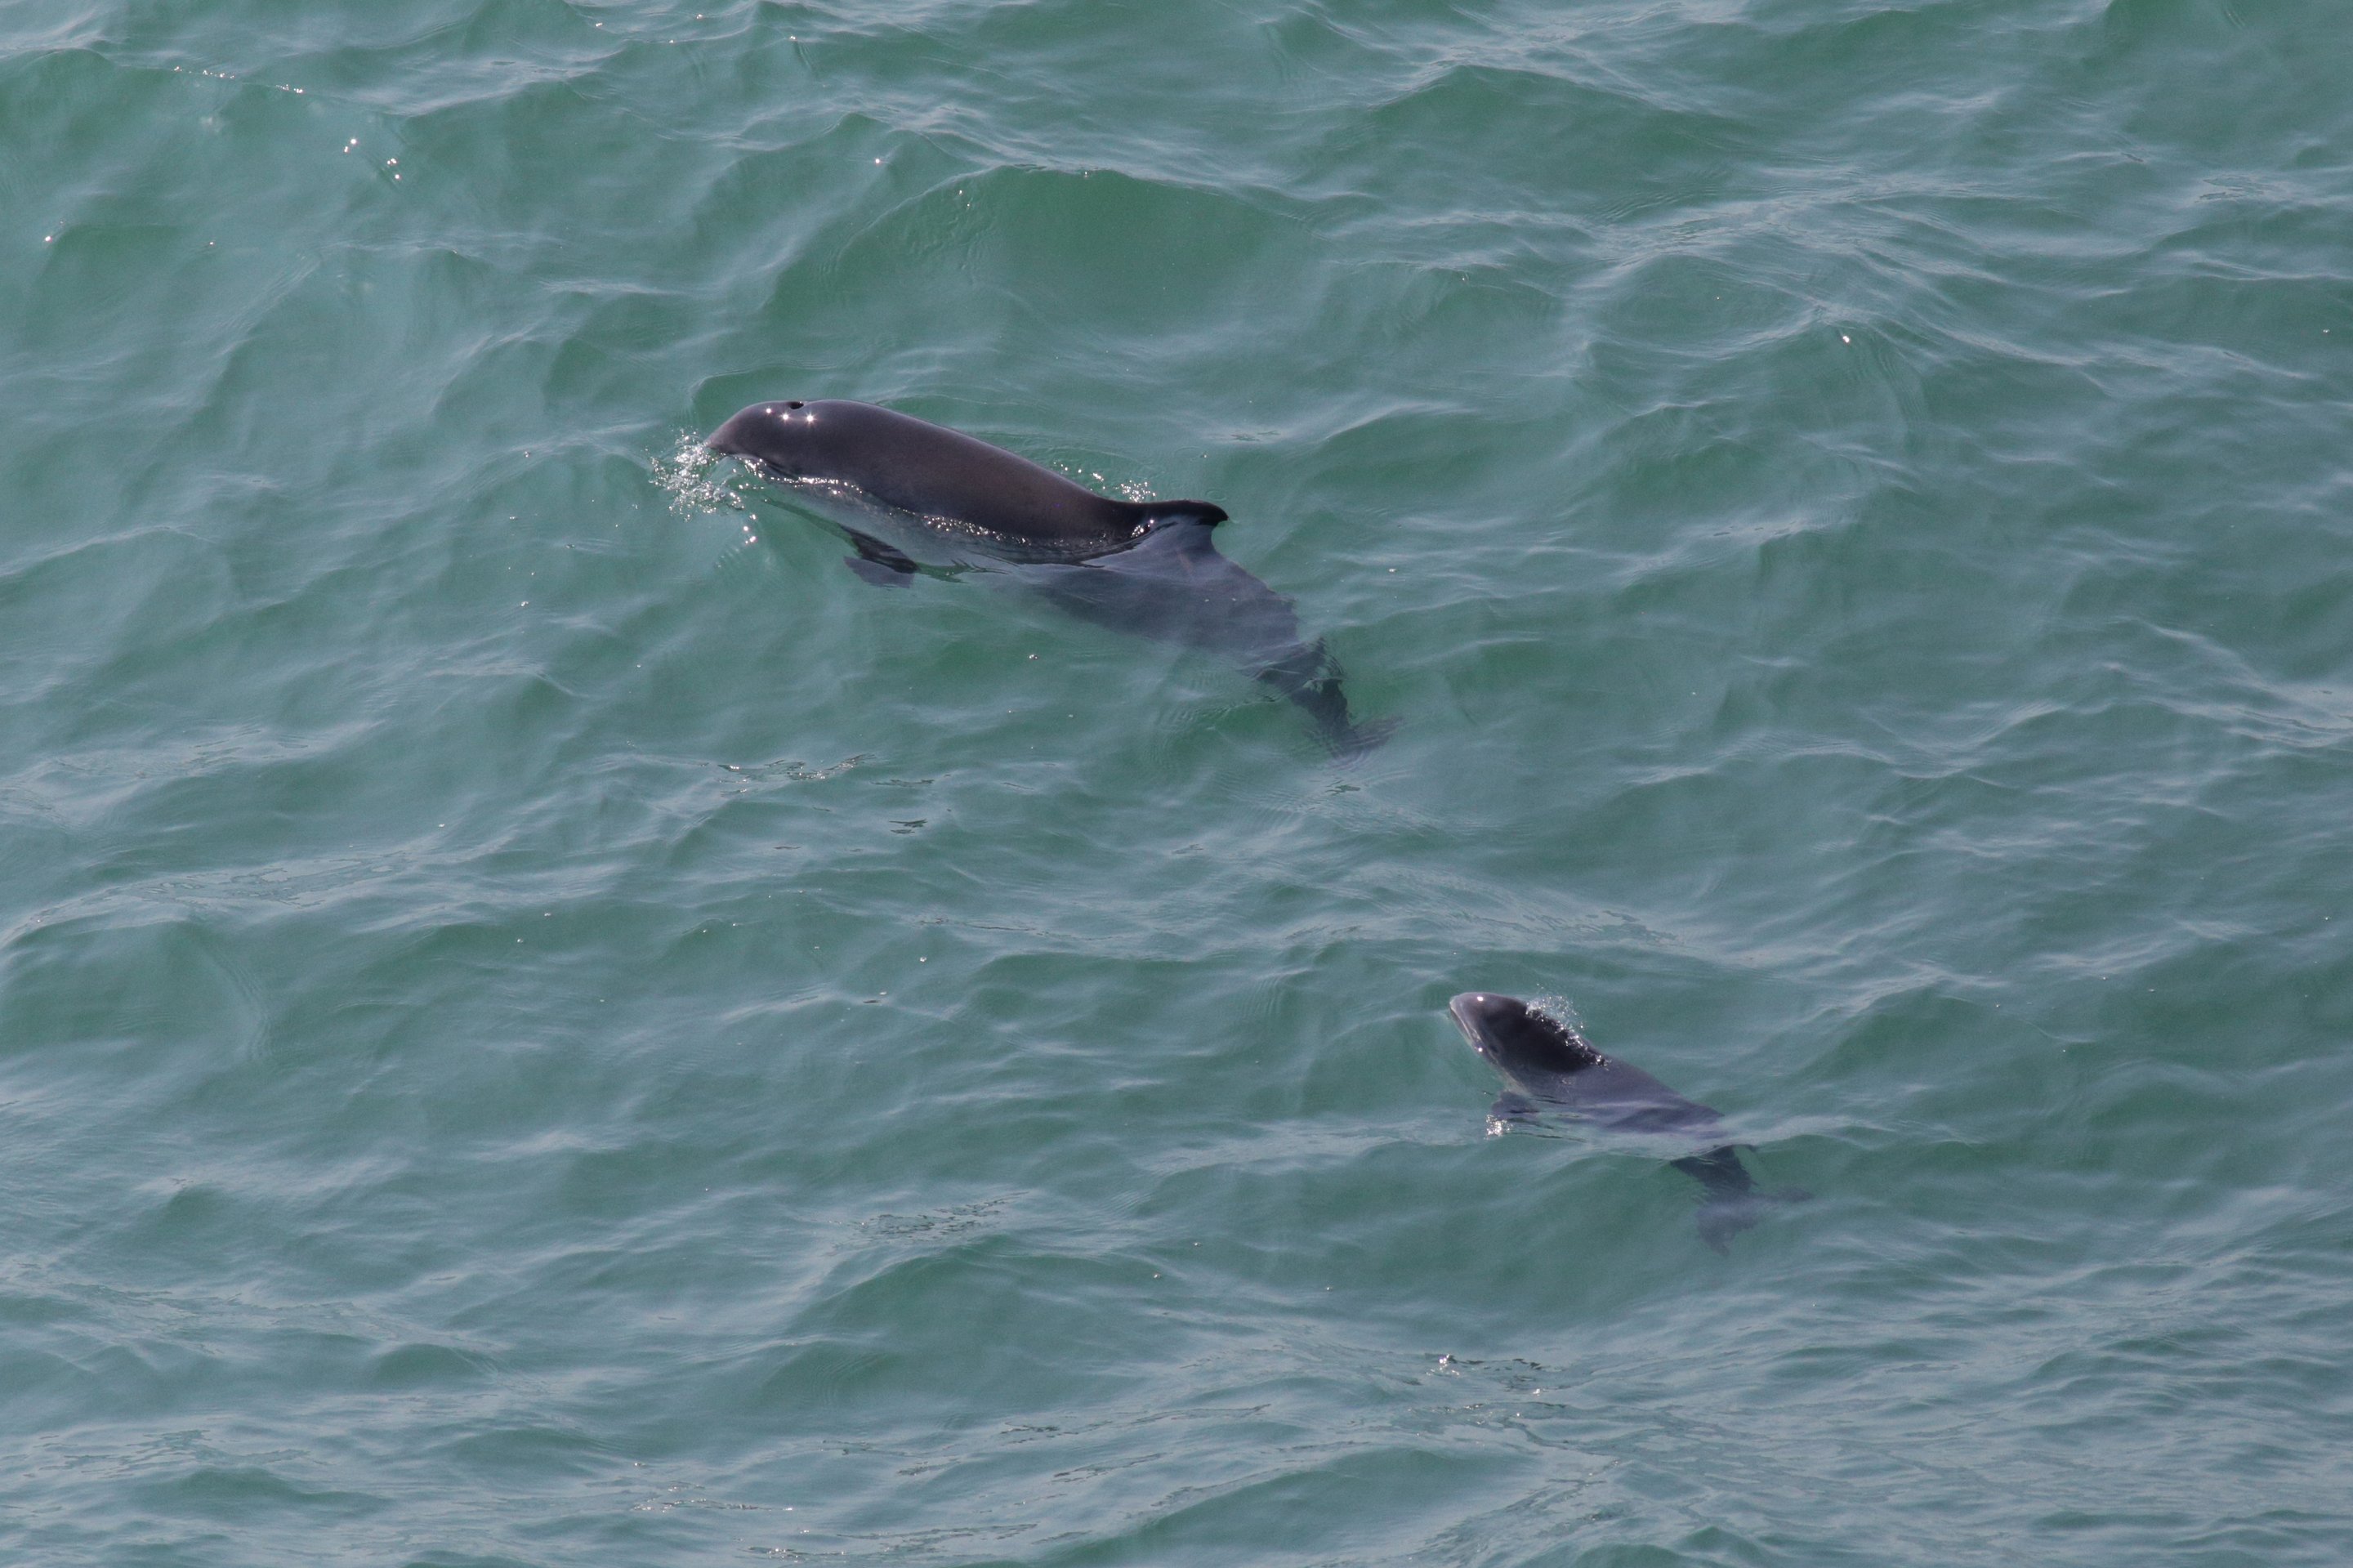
912,495
1548,1063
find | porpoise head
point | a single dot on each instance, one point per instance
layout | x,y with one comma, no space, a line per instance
1519,1042
774,435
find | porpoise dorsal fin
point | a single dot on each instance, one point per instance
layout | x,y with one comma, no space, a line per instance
1155,513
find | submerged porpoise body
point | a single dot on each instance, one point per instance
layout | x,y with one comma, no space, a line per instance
911,495
1548,1063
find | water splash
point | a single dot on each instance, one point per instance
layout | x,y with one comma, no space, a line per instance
1561,1010
1135,489
689,475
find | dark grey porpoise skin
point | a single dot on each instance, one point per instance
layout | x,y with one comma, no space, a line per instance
910,493
1546,1061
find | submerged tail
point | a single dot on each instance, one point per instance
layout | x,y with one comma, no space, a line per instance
1311,678
1729,1201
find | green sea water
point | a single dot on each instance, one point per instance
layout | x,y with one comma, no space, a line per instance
545,1022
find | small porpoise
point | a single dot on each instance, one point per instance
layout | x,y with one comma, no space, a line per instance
1548,1063
913,495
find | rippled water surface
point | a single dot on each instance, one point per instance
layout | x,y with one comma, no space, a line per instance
545,1022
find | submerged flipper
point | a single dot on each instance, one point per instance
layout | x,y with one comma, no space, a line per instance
877,563
1510,1108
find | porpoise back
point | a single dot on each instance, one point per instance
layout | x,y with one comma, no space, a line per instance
1548,1063
939,474
909,494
